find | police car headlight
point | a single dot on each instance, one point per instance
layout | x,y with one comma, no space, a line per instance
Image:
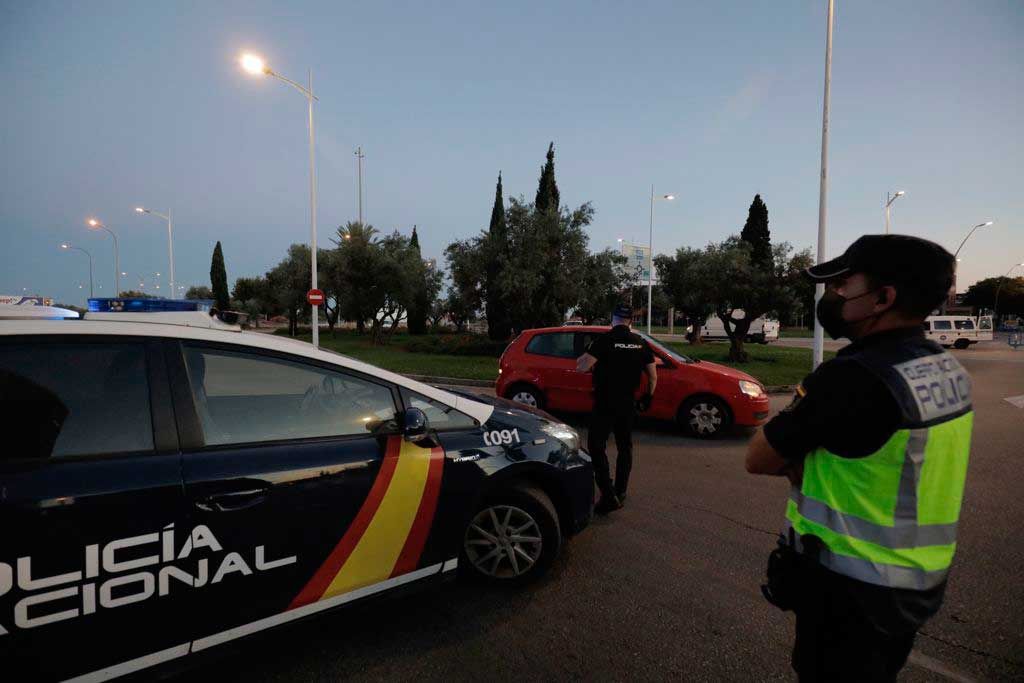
751,389
564,433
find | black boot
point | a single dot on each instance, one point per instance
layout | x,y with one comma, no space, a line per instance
609,503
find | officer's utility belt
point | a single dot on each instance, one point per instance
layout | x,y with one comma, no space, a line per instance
789,570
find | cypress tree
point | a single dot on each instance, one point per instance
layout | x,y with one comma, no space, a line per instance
219,279
755,231
498,324
416,316
547,189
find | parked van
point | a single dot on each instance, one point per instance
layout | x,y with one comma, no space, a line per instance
762,330
958,331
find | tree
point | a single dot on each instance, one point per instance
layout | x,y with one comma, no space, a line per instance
496,257
394,285
419,306
330,281
196,292
982,295
219,279
135,294
680,278
755,232
288,282
357,254
548,198
438,311
798,304
467,268
604,282
459,310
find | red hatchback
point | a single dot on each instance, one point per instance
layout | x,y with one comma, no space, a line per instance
539,369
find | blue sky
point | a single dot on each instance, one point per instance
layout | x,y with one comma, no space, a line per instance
108,105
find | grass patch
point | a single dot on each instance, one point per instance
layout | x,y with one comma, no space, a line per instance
795,333
772,365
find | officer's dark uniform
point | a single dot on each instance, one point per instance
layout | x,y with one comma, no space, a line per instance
621,358
881,435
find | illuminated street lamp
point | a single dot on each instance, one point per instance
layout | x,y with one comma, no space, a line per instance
888,202
95,224
255,65
952,297
67,247
170,238
650,254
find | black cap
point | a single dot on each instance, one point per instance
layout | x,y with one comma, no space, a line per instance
623,311
892,259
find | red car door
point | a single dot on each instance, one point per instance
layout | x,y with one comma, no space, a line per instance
553,355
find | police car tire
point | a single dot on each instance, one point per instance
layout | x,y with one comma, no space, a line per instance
961,344
537,505
683,417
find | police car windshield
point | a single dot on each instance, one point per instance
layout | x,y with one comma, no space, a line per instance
678,357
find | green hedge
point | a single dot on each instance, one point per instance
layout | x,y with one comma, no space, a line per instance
456,345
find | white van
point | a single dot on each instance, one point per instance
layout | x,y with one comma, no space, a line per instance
762,330
958,331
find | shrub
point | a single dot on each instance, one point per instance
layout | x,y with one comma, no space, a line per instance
457,345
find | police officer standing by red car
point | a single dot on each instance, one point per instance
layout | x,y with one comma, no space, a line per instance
876,443
618,359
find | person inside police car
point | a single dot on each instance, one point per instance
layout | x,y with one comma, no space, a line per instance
619,359
875,443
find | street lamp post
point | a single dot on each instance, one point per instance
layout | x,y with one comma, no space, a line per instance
67,247
995,305
957,260
95,224
819,289
170,238
650,255
888,202
256,65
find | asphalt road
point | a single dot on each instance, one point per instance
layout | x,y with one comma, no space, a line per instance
667,588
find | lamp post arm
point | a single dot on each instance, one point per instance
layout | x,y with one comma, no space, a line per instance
301,88
957,253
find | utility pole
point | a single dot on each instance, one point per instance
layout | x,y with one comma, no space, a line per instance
819,289
360,156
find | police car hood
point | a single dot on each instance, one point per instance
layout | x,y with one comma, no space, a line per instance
507,406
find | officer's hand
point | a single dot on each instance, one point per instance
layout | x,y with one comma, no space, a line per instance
643,403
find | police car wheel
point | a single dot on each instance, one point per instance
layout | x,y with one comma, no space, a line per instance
527,395
705,417
513,538
961,344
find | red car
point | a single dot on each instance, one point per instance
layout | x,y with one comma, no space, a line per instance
539,369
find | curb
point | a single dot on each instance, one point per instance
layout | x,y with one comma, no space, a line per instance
781,389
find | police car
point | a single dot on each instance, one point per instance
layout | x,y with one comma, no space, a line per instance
169,483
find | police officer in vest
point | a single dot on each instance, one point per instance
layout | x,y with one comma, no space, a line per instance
618,360
875,444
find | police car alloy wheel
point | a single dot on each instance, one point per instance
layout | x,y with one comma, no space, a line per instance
513,538
704,417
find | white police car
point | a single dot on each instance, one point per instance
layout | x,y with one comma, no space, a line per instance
169,483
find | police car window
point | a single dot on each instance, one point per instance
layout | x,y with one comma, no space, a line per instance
243,398
942,325
439,415
558,344
985,324
964,324
67,399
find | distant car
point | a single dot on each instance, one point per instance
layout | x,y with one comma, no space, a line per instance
170,482
958,331
539,369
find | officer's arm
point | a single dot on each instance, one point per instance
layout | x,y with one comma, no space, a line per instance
762,458
652,377
585,363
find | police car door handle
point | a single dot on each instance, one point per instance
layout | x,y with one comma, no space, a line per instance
235,500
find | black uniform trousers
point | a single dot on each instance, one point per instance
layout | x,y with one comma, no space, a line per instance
612,417
835,638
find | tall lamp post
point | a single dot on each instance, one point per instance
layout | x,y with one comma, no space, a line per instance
170,238
95,224
65,246
995,306
650,254
956,256
819,289
255,65
888,202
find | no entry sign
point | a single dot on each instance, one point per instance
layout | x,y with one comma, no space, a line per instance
315,297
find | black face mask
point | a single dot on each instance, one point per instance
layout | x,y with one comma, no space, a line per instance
830,313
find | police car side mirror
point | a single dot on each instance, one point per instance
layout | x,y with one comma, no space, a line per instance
415,426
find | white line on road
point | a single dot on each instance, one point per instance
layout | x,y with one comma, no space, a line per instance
1016,401
936,667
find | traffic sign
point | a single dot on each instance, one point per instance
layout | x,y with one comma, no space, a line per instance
315,297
